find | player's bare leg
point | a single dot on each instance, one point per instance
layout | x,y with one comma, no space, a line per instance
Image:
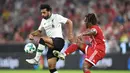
52,64
73,47
41,46
86,67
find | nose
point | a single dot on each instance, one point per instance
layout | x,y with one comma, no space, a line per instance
42,14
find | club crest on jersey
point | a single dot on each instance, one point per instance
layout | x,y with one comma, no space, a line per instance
48,27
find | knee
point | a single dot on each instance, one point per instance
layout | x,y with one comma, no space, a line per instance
51,63
41,41
51,66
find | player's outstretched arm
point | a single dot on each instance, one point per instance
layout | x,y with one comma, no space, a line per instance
34,33
90,32
70,30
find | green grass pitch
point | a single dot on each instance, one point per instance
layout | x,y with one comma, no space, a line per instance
63,71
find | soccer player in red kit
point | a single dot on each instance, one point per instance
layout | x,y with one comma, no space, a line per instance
94,51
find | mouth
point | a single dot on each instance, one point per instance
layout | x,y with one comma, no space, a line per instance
44,17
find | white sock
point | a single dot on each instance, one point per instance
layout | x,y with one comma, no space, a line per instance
64,54
56,72
39,53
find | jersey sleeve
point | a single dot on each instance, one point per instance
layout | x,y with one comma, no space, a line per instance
94,29
62,19
41,25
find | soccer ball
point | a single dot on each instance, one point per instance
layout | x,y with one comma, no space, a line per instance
30,48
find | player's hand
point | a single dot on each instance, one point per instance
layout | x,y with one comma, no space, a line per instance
71,38
31,37
79,40
80,36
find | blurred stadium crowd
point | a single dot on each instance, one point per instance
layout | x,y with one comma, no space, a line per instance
19,17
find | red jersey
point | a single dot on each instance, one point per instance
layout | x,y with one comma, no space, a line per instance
98,41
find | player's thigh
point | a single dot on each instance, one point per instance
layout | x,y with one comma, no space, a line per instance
47,40
50,46
58,43
93,56
53,42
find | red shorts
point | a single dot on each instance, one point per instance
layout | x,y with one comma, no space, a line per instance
93,55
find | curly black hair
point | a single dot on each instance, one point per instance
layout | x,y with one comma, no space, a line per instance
91,18
45,6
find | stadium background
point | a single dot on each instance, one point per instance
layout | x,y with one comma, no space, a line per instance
19,17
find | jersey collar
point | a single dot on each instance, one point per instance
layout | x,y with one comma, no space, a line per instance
50,16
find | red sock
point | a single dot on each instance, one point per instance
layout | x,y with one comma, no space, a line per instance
88,71
71,48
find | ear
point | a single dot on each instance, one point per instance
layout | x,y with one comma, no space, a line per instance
89,23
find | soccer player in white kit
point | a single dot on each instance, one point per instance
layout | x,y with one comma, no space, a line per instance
52,24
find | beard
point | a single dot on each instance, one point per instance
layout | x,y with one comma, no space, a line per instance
45,17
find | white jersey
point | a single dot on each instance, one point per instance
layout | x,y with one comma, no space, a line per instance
53,25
